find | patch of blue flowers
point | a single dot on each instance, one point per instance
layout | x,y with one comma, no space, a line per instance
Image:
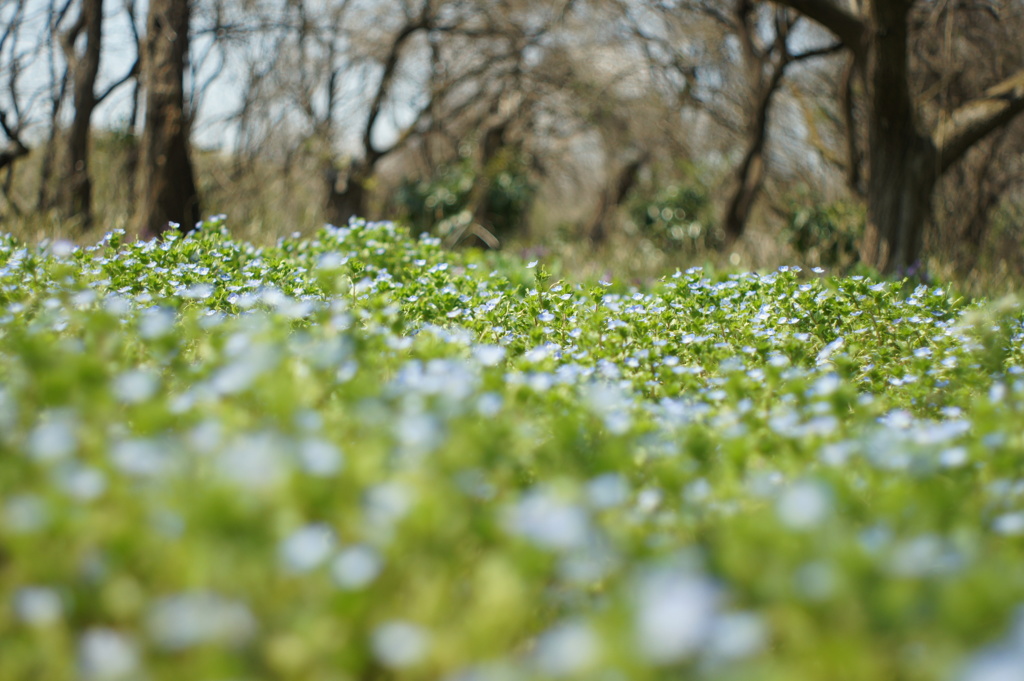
358,456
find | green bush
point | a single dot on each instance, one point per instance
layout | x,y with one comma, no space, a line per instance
825,233
440,204
677,217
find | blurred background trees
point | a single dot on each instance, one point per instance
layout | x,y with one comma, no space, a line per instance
628,133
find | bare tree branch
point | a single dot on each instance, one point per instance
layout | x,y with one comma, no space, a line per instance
384,86
970,123
826,51
132,73
844,24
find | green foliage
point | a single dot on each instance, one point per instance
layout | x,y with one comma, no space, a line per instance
357,456
825,233
677,217
440,204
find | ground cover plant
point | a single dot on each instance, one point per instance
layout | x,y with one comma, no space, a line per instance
357,456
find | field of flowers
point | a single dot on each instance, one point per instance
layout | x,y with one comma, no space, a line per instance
358,456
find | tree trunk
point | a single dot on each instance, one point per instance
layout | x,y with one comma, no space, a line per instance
900,191
903,160
167,189
346,197
75,197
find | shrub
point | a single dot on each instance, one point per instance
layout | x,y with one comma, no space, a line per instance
677,217
440,203
824,233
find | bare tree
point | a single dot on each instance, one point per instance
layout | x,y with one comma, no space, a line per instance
766,65
11,119
416,83
475,54
905,158
725,61
76,187
167,189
